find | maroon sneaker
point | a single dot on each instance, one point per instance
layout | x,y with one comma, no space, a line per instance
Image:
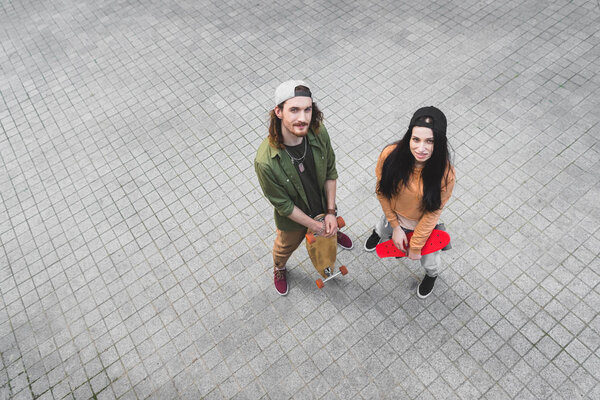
344,241
280,281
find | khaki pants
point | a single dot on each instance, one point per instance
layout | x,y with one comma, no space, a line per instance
285,244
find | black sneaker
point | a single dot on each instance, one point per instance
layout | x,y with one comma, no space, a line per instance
372,241
426,286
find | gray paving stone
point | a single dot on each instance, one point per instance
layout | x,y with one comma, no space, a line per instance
127,138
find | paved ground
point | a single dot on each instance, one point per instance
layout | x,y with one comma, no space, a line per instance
135,243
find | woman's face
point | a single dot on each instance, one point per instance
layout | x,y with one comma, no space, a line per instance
421,144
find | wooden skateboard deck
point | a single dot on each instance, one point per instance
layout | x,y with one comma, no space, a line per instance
436,241
323,251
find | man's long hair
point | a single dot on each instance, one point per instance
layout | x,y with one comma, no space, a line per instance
400,163
275,135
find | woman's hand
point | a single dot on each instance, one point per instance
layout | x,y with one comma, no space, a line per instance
399,238
414,254
331,227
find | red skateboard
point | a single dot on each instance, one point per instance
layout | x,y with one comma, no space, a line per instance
436,241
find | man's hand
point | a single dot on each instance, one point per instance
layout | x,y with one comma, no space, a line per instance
318,227
399,238
331,227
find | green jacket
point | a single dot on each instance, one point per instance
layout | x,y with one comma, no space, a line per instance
280,182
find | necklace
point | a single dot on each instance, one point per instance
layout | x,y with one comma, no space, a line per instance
300,160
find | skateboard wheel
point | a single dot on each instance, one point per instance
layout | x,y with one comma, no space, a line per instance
310,238
343,270
320,283
341,223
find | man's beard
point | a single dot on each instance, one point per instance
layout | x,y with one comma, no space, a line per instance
302,134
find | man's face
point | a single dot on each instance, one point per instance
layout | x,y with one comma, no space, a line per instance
421,144
296,114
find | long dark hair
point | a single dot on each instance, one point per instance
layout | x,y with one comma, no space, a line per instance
400,163
275,135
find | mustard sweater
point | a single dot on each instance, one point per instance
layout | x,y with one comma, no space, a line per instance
407,202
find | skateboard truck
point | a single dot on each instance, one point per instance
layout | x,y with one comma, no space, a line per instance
320,282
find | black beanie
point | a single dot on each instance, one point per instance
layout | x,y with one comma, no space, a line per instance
439,119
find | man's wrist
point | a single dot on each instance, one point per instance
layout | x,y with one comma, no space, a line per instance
331,211
320,229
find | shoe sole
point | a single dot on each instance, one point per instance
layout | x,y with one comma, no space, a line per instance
286,292
372,249
420,295
367,249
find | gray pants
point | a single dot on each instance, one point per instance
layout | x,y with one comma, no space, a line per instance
431,262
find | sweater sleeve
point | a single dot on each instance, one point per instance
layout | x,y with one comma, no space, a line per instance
386,205
430,219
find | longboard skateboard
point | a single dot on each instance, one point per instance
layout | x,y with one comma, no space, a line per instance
323,251
436,241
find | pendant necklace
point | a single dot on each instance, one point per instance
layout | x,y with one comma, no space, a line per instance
300,160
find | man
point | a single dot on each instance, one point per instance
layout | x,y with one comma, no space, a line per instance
296,170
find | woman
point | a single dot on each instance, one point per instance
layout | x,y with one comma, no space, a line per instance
414,181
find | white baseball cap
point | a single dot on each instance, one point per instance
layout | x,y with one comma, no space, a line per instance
288,89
